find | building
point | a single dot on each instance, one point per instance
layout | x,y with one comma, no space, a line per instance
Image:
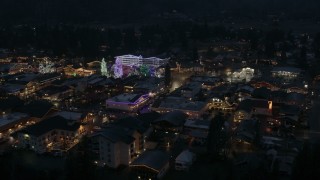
37,110
172,121
250,107
73,70
286,72
184,160
127,102
151,165
207,82
244,74
120,142
196,129
55,93
114,147
148,85
194,109
54,133
11,122
131,60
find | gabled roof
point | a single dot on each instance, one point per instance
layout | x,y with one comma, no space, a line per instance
175,118
185,156
297,97
37,108
248,104
153,159
148,118
70,115
115,134
50,90
262,92
49,124
10,102
130,123
290,109
44,77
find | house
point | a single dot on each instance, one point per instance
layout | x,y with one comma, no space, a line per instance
55,93
146,85
184,160
75,70
9,104
114,147
249,107
74,116
54,133
136,128
247,132
11,122
171,121
194,109
206,81
294,98
196,129
152,164
286,72
37,110
127,102
113,143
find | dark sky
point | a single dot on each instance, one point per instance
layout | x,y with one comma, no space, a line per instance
16,11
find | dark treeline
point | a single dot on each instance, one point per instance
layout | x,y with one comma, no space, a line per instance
91,42
76,41
124,11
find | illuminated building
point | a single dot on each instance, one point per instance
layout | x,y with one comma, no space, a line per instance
196,129
170,122
249,107
244,74
127,65
21,67
286,72
77,71
127,102
150,85
120,142
152,164
131,60
11,122
194,109
55,93
54,133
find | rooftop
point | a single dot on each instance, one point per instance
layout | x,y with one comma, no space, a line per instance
249,104
286,69
49,124
69,115
176,118
197,123
37,108
115,135
126,98
180,103
154,160
12,117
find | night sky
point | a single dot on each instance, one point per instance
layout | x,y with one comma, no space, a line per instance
111,11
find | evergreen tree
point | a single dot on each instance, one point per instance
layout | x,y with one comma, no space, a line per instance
104,69
216,136
303,57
